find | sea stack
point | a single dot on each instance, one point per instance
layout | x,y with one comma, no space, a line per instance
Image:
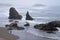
28,17
13,14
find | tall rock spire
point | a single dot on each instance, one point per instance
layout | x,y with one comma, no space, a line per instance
13,14
28,17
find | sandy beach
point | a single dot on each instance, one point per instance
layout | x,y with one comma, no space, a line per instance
4,35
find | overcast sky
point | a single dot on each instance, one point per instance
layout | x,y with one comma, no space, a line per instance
31,2
28,3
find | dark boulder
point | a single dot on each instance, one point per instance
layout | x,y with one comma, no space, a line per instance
44,27
28,17
49,27
40,26
13,14
27,24
54,24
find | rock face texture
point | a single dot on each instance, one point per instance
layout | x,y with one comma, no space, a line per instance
54,23
13,14
28,17
50,26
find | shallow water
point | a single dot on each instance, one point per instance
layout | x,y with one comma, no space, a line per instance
30,30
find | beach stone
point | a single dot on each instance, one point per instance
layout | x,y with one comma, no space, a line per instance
13,14
28,17
27,24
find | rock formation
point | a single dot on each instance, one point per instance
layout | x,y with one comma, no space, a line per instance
54,23
28,17
13,14
50,26
13,25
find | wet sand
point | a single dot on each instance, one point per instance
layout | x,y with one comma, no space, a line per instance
30,36
19,35
4,35
24,35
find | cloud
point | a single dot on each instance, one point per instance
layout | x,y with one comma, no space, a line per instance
4,4
39,5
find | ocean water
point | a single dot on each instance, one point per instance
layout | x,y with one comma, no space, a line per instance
40,13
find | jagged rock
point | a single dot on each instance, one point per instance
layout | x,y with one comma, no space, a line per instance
28,17
45,28
27,24
13,14
50,26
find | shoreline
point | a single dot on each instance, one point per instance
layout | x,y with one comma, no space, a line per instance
29,36
23,35
7,36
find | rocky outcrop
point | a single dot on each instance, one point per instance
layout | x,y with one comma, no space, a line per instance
28,17
39,26
54,23
13,26
13,14
49,27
